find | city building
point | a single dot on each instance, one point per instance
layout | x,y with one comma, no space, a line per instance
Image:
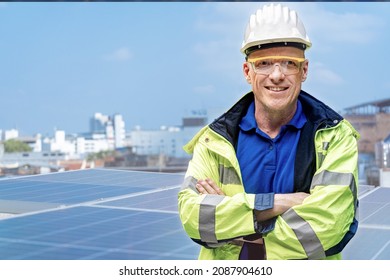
9,134
382,153
112,128
168,141
372,121
161,147
119,131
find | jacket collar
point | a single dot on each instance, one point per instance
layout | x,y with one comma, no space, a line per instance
317,112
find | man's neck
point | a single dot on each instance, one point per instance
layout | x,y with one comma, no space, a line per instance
270,122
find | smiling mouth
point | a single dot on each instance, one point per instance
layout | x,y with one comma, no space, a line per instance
277,89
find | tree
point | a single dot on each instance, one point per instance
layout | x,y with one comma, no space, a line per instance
14,146
100,155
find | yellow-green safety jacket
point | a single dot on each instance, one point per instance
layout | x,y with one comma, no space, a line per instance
325,167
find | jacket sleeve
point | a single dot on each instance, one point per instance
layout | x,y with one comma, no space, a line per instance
212,220
324,223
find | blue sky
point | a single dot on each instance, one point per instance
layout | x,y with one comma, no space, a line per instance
154,62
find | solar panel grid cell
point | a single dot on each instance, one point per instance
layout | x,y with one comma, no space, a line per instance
161,200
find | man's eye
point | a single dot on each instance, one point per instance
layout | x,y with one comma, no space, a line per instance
263,63
291,63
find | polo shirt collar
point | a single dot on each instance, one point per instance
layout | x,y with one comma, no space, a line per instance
248,122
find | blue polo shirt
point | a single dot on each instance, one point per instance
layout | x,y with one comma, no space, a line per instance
267,165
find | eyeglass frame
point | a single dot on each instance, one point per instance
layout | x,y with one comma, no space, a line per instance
299,60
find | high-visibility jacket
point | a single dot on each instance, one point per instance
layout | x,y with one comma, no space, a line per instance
325,167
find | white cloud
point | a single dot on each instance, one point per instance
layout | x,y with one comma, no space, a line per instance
342,25
228,18
220,28
318,73
328,77
330,26
121,54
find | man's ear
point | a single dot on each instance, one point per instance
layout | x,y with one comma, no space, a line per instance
305,71
246,69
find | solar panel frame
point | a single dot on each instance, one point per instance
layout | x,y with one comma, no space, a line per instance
110,177
161,200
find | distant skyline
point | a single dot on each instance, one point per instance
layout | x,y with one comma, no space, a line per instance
152,62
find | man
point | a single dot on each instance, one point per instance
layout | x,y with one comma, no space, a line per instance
275,177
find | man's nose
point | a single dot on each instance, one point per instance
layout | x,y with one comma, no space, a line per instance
277,73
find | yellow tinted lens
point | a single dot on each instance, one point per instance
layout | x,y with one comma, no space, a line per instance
265,65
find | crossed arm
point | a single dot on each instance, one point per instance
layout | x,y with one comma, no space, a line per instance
282,202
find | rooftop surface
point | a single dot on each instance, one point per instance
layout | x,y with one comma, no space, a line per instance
113,214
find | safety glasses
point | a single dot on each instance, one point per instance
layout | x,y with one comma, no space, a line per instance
265,65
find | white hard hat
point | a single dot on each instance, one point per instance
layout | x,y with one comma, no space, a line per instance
274,24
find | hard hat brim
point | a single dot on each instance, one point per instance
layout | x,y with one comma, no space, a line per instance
249,49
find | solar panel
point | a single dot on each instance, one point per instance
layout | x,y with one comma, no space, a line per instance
93,214
83,186
112,214
372,240
94,233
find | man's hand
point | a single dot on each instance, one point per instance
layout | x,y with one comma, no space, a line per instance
208,186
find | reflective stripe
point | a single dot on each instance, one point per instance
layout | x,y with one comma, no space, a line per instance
215,245
321,155
321,158
228,175
189,182
336,178
325,146
207,217
305,234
